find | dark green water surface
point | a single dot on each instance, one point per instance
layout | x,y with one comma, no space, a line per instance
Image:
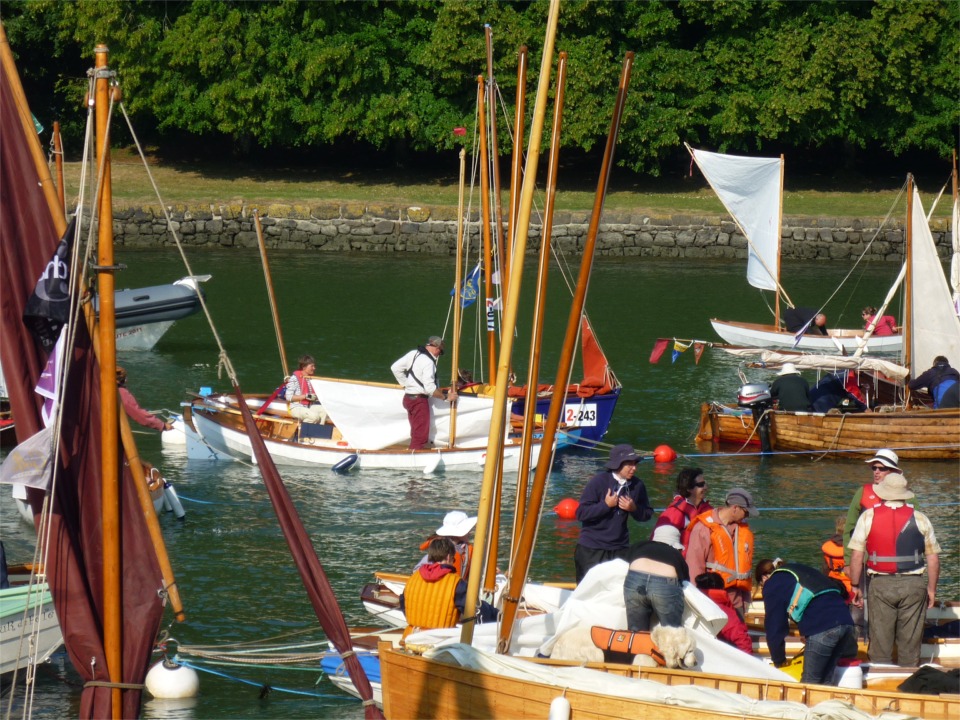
357,314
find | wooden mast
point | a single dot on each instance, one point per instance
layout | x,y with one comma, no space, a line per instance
58,159
458,304
530,402
495,440
273,298
485,224
494,160
517,161
110,492
520,560
908,284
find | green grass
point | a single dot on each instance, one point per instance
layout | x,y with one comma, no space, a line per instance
218,184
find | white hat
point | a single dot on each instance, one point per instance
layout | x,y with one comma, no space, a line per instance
788,369
456,524
887,458
669,535
893,487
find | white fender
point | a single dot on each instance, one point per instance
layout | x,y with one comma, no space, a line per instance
432,464
559,709
171,682
170,497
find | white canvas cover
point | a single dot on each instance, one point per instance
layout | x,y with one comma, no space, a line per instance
749,189
371,415
773,359
934,325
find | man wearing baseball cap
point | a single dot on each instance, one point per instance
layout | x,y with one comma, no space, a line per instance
417,373
720,541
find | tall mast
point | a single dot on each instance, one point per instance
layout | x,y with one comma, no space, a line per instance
516,164
261,243
494,160
908,282
776,311
485,226
110,492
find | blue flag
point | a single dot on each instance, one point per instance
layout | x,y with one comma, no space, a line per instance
471,288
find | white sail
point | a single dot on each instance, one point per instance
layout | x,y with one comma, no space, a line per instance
371,416
935,327
955,259
749,189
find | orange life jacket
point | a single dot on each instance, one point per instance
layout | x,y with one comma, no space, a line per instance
833,557
732,556
895,543
305,388
624,641
430,604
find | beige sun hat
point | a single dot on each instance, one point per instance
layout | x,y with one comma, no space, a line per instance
456,524
669,535
788,369
893,487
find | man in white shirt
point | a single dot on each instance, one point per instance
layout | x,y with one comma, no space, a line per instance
417,373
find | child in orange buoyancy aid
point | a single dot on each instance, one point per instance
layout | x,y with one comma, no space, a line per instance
833,561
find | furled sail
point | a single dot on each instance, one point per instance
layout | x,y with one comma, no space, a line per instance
749,189
935,327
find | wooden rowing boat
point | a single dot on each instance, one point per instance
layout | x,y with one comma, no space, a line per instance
918,434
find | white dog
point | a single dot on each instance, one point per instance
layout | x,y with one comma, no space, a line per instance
577,645
676,644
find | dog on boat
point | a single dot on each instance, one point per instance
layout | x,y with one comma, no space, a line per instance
675,646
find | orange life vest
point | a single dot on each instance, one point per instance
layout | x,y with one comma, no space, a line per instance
833,557
430,604
305,388
624,641
895,543
732,556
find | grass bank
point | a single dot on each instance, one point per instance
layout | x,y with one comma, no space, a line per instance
218,184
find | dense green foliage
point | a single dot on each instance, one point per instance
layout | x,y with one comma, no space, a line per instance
733,75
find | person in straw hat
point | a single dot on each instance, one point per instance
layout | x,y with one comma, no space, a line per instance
902,558
790,390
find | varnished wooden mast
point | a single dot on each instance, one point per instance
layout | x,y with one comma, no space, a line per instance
539,308
58,160
488,263
516,164
458,304
495,440
520,560
268,278
110,487
494,160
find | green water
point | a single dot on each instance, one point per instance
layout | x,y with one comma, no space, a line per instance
357,314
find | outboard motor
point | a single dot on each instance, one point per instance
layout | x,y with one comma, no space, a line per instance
756,397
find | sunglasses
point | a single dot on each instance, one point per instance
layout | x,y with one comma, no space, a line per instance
702,483
880,468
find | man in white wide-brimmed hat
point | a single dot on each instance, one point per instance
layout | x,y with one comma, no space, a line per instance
902,558
790,390
457,526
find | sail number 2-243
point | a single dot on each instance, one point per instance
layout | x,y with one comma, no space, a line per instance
580,415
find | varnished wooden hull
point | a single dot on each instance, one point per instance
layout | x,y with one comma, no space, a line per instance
415,687
916,434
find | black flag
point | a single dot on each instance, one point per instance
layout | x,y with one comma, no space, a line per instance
48,308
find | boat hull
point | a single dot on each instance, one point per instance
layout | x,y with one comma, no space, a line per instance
15,651
769,336
222,433
916,434
585,420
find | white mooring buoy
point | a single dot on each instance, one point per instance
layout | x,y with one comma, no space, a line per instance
169,681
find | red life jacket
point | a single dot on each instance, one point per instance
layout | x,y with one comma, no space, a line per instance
680,513
305,388
869,499
895,543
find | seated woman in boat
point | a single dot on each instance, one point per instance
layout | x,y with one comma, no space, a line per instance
457,526
435,595
302,403
885,324
689,501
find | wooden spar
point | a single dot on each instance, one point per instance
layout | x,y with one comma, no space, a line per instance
908,295
494,158
58,159
30,133
530,402
458,303
520,560
487,247
517,161
110,493
270,293
776,311
495,440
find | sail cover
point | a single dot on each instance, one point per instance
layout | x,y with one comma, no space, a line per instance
749,189
935,327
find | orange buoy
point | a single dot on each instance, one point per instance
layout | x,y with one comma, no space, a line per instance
664,454
567,508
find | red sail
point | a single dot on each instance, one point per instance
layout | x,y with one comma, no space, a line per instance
596,370
28,239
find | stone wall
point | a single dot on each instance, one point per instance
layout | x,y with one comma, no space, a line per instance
386,229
